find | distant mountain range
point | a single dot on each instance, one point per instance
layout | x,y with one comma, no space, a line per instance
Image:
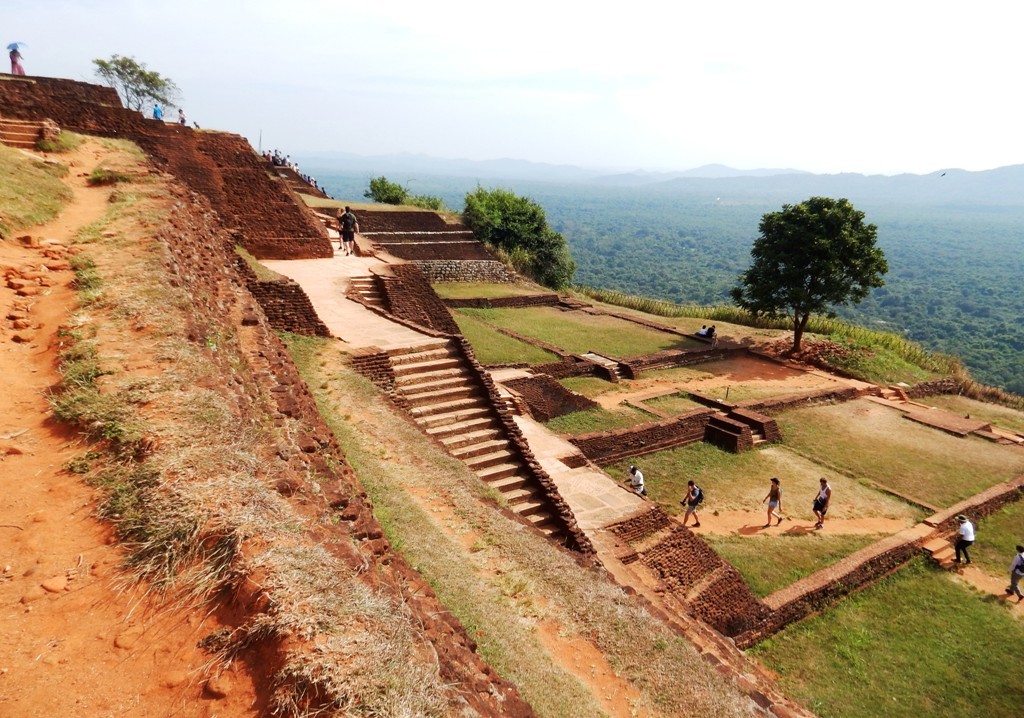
1002,186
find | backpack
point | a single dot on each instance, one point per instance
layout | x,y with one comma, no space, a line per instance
700,495
348,221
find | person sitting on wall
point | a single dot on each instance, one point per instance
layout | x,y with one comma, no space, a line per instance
710,332
636,481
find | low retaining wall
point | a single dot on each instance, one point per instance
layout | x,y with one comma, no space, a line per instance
520,302
467,270
287,307
729,434
632,367
607,447
546,398
412,299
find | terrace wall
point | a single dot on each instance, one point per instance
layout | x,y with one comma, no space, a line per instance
487,271
607,447
546,398
517,302
411,298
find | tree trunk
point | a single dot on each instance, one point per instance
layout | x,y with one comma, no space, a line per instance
799,324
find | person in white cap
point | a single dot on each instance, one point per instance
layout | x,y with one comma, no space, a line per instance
966,538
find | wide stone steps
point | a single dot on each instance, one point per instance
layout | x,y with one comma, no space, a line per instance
470,450
448,393
449,403
368,290
418,367
942,552
485,461
447,407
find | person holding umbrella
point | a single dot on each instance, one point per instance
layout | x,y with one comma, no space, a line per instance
16,68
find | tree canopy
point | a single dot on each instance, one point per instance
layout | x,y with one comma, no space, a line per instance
518,227
809,258
134,83
385,191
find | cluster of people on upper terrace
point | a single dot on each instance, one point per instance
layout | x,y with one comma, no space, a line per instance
278,159
706,331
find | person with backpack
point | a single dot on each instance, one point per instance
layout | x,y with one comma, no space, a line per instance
1016,574
774,499
694,498
349,227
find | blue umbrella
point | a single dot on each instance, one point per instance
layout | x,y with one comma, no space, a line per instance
16,46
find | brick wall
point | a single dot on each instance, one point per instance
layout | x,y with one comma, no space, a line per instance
607,447
768,427
466,270
412,299
728,434
546,398
288,308
520,302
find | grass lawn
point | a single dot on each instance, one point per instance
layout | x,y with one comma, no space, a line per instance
584,422
589,386
1001,416
472,290
876,443
578,332
915,644
493,347
769,563
673,404
31,191
735,482
732,332
997,536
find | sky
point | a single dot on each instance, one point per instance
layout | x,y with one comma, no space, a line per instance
824,86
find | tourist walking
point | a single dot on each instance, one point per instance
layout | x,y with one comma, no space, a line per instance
1016,574
694,498
16,68
636,481
821,502
181,117
965,538
349,226
158,113
774,499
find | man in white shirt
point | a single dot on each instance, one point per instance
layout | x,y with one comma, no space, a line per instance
966,538
636,480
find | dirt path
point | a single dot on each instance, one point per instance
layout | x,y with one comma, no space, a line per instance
751,523
73,644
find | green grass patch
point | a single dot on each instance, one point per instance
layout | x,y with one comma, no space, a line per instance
589,386
578,332
1002,416
875,443
599,419
262,272
493,347
673,404
738,482
998,535
914,644
31,192
488,290
769,563
65,142
106,176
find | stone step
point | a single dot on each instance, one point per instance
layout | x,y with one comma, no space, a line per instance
420,367
408,381
434,421
468,451
483,461
498,471
533,507
482,431
510,484
521,495
436,396
424,355
948,553
449,434
399,351
450,380
935,544
447,407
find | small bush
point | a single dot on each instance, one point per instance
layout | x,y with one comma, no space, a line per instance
106,176
65,142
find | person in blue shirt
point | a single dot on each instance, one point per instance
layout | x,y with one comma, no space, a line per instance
158,113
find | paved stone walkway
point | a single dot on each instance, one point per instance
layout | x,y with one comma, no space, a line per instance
325,281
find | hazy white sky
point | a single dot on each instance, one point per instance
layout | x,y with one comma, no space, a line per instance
840,86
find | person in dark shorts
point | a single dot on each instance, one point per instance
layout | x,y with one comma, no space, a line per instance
1016,574
349,226
821,502
965,539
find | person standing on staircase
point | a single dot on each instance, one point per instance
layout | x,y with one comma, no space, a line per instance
349,226
965,538
636,480
1016,574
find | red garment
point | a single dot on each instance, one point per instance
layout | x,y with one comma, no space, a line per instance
16,68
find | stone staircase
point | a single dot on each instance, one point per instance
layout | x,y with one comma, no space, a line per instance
942,552
367,289
20,133
450,404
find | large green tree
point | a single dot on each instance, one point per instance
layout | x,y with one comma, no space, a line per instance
134,83
518,227
809,258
